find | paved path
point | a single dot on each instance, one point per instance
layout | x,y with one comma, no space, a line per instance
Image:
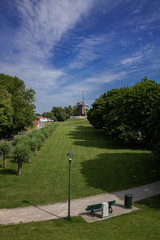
60,210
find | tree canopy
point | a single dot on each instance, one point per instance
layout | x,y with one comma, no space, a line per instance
6,110
123,112
16,104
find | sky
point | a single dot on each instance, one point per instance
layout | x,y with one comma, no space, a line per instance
63,47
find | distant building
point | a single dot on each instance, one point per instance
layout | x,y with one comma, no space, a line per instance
81,109
41,119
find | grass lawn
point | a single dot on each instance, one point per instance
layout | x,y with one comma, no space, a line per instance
137,225
98,167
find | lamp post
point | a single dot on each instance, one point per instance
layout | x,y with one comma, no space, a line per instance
70,157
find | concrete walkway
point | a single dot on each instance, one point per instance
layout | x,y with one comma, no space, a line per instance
60,210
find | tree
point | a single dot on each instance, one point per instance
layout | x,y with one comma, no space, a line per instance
153,130
21,154
6,110
123,112
5,149
22,100
49,115
33,144
96,115
59,114
69,111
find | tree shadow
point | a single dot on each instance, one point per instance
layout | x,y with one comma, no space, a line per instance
8,172
118,171
90,137
152,202
41,208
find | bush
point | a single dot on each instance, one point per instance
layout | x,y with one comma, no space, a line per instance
5,149
21,154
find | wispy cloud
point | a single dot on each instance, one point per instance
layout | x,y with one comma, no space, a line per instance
44,22
106,77
41,24
91,49
131,60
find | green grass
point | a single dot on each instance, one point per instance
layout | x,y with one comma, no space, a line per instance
142,224
99,166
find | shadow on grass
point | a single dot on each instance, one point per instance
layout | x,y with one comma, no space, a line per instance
8,172
90,137
153,202
119,171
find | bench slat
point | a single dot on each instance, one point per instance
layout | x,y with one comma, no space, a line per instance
111,203
93,207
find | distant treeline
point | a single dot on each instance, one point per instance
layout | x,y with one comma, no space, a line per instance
60,114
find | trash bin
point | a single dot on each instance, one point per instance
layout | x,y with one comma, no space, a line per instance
128,200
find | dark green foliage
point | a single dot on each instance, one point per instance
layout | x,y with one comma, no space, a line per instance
32,143
21,152
153,130
96,115
49,115
123,112
60,114
16,104
16,140
6,110
5,149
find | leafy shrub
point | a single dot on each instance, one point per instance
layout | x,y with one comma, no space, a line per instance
5,149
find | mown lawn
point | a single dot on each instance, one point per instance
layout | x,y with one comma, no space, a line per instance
98,167
138,225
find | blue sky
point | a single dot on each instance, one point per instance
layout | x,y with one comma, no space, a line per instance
63,47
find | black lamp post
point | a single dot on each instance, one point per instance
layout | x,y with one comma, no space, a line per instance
70,157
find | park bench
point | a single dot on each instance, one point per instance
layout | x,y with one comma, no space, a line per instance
98,207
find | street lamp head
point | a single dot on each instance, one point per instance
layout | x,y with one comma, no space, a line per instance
70,156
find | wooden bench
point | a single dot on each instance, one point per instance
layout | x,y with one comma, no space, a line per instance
98,207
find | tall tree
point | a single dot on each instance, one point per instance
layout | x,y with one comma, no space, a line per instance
123,112
153,130
96,115
6,110
22,101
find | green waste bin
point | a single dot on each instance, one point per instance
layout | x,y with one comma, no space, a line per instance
128,200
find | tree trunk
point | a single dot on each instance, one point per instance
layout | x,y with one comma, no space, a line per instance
4,161
19,168
29,160
35,153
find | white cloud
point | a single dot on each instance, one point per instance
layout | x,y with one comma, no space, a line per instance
106,77
131,60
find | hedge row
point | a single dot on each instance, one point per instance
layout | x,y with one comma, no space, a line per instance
24,146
